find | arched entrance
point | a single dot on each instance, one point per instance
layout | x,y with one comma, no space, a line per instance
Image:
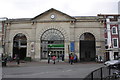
87,47
20,45
52,41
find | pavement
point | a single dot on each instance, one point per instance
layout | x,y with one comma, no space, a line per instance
43,63
44,70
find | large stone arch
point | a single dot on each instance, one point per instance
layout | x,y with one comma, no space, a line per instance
77,37
11,37
87,47
20,46
41,31
52,42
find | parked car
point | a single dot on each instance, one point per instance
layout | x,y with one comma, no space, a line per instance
113,63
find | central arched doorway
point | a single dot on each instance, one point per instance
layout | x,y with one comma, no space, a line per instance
87,47
52,41
20,46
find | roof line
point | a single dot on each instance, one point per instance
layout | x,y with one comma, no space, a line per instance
50,10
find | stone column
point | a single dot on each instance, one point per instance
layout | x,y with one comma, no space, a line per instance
72,34
10,49
28,53
33,41
66,45
77,47
37,50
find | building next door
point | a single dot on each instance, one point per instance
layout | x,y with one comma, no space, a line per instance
87,47
107,56
20,46
52,41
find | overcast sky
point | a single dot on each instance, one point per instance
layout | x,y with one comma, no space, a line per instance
32,8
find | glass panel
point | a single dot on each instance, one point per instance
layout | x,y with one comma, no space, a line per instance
52,34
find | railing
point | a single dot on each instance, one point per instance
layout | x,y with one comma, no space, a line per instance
101,74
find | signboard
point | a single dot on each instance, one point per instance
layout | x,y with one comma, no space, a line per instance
72,47
55,45
98,46
32,47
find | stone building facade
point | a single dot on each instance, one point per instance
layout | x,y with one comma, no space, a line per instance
57,33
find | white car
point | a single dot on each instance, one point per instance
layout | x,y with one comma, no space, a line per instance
112,62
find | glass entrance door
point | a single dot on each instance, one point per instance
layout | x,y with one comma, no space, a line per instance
55,49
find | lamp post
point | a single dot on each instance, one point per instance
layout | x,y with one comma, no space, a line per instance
49,54
19,47
50,50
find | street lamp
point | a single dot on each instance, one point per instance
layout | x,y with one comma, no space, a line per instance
50,47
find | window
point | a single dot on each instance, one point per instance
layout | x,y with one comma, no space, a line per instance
115,43
106,41
114,30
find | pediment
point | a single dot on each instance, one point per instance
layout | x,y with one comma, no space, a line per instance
52,14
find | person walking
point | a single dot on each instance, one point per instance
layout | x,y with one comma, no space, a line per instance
58,57
17,59
75,58
62,57
54,58
71,59
48,58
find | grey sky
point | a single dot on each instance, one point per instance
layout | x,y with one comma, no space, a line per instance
32,8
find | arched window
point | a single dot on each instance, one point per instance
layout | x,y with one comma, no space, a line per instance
52,34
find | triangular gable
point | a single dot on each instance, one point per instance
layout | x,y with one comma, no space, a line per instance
47,14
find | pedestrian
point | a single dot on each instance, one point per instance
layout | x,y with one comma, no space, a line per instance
71,59
4,60
48,58
96,58
58,57
54,58
17,59
9,58
75,58
62,57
